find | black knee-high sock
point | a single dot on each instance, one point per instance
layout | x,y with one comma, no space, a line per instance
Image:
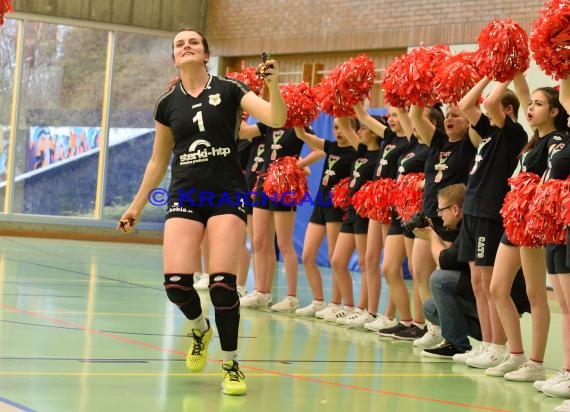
225,300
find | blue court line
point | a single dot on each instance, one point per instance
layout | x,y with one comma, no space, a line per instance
16,405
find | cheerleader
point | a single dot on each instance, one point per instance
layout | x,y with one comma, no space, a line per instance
501,138
394,142
326,219
449,158
547,117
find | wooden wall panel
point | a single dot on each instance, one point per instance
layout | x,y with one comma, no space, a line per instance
167,15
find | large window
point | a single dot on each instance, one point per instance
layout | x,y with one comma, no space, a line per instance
142,68
7,67
59,120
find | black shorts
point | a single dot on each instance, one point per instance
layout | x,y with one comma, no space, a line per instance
479,240
325,214
354,223
556,259
505,240
263,201
396,227
203,212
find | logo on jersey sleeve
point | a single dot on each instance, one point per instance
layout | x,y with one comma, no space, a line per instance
201,151
214,99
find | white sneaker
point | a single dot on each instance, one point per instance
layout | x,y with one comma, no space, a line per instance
560,389
562,375
255,300
312,309
529,372
330,308
489,358
381,322
357,319
202,281
511,364
476,351
563,407
287,304
432,338
241,290
341,313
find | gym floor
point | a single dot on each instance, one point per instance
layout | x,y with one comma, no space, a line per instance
86,326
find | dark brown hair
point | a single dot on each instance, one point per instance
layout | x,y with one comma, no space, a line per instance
204,40
560,121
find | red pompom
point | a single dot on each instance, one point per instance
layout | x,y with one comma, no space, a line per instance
516,206
409,79
407,197
550,39
361,199
286,181
347,84
340,194
544,218
5,7
301,104
503,50
248,77
456,77
381,199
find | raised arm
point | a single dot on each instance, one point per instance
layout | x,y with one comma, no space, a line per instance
494,106
153,175
347,131
565,93
522,91
424,128
371,123
405,121
314,142
468,104
274,112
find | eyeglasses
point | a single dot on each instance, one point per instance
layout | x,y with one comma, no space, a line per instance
441,209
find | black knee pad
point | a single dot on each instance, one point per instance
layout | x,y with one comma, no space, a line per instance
223,292
180,291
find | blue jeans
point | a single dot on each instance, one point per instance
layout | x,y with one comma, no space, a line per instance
456,315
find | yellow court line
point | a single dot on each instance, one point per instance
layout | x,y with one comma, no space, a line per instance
249,374
82,312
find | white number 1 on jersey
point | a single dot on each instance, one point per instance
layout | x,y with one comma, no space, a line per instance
198,118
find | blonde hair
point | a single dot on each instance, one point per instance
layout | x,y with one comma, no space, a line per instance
454,194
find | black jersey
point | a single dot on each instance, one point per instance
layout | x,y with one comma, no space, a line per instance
536,160
390,151
204,129
447,164
362,168
337,166
494,163
280,143
413,157
255,161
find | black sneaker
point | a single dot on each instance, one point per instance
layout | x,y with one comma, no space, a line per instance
389,332
445,350
411,332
